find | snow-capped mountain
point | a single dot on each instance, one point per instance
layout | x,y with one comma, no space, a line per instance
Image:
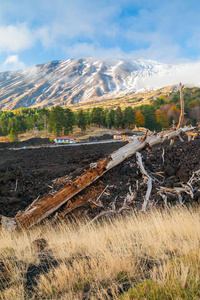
75,80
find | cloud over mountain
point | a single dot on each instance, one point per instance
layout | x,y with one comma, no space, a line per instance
83,79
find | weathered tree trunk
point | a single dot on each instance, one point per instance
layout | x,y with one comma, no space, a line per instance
181,117
42,208
80,200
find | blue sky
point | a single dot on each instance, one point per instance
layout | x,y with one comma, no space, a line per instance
37,31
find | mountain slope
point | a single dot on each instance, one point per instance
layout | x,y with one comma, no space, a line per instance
74,81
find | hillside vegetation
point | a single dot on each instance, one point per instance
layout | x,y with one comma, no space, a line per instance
161,112
140,256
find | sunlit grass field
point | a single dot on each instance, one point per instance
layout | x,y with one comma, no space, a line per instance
90,132
154,255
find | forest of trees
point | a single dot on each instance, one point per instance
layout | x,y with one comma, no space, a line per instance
159,114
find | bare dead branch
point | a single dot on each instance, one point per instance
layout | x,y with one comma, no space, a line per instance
98,198
180,138
175,191
126,206
164,198
16,185
186,188
163,155
181,117
146,175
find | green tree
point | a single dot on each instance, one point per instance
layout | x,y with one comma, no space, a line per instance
13,135
96,116
57,120
44,114
118,121
104,113
158,102
175,98
110,118
194,121
149,113
128,116
81,120
69,121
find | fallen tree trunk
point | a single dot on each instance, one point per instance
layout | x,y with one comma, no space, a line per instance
51,203
81,200
42,208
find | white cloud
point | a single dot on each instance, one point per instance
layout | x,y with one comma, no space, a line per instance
188,74
31,73
15,38
153,52
13,63
44,34
165,31
91,50
74,21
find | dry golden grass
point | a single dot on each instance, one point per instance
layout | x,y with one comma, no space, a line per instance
90,131
123,99
4,139
156,253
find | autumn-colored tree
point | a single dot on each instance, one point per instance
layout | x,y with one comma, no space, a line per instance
139,118
175,112
161,118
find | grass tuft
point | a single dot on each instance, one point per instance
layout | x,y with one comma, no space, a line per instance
154,255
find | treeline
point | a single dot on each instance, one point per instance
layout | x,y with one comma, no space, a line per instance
162,112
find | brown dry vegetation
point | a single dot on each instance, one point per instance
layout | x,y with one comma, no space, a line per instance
124,100
91,131
152,255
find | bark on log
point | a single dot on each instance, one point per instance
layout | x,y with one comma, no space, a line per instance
42,208
81,200
51,203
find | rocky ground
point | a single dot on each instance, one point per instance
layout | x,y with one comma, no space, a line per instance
28,173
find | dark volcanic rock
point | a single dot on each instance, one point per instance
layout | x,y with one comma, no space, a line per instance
169,170
28,143
183,175
30,173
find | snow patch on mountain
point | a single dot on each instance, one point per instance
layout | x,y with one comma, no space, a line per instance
85,79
